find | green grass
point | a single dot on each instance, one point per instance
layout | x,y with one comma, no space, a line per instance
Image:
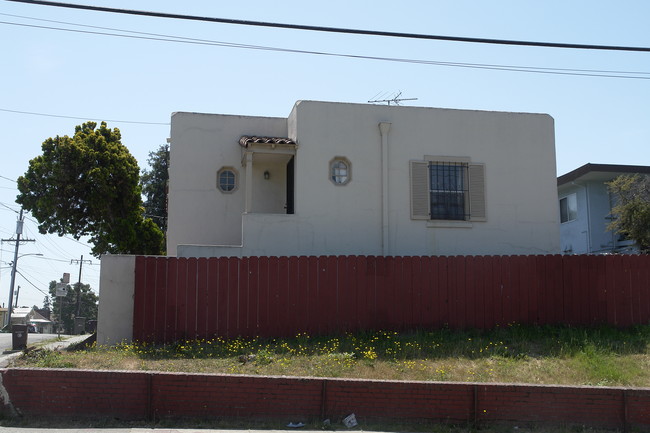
602,356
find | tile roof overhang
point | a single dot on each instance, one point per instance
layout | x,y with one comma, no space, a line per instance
247,140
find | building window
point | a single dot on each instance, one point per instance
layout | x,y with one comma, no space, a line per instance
568,208
447,188
340,171
227,180
448,191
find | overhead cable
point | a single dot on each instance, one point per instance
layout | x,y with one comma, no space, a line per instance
185,40
82,118
336,29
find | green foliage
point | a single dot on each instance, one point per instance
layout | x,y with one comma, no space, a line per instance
601,367
154,186
632,213
88,185
67,306
45,358
47,303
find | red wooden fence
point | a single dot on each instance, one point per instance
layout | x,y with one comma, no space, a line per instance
187,298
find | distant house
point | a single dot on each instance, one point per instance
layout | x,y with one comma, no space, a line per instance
586,209
358,179
30,317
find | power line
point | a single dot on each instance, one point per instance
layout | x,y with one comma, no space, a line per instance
80,118
336,29
11,209
185,40
33,285
8,178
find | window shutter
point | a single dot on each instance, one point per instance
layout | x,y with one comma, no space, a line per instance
419,190
477,207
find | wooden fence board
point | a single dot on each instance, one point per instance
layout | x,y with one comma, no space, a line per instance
181,298
160,297
252,310
343,292
171,303
599,269
632,290
642,270
264,298
490,294
622,290
181,327
363,299
302,306
222,298
274,296
242,296
202,312
139,297
212,302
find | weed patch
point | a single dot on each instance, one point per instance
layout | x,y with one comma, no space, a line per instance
522,354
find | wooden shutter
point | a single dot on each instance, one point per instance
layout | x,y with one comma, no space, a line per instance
419,177
477,207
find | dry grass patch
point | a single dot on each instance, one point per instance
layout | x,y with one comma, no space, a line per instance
516,354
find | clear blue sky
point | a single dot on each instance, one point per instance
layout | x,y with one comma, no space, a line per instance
599,120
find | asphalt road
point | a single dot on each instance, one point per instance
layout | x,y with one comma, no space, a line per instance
6,339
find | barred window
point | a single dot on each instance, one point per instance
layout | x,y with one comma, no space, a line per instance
447,188
448,191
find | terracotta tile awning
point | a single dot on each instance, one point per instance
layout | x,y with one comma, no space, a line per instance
247,140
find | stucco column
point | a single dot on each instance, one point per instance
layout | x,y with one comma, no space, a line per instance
384,128
248,205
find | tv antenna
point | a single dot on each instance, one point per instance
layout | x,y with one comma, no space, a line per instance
390,100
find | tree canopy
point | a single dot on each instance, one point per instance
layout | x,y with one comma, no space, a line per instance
88,185
154,186
78,297
632,211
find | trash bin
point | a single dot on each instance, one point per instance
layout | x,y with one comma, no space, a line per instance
79,325
19,337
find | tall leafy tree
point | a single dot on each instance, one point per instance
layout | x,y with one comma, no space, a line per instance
632,212
154,186
88,185
64,308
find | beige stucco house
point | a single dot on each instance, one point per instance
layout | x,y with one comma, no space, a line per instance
339,178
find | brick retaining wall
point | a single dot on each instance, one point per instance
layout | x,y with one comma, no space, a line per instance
66,393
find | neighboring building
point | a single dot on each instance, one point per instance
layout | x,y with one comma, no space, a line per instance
586,209
358,179
30,317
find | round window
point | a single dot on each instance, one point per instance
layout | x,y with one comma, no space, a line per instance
226,180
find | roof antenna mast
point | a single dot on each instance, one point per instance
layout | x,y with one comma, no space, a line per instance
394,100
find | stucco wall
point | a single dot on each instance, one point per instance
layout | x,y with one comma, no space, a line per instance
116,289
517,149
201,144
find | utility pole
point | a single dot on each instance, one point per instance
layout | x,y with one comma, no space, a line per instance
19,232
81,262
